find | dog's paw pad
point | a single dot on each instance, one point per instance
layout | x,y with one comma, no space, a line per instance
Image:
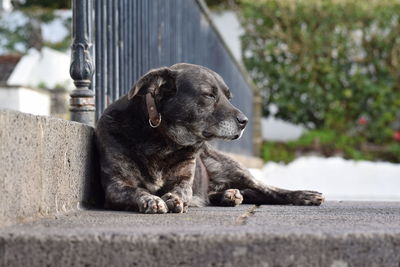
232,197
175,203
152,204
309,198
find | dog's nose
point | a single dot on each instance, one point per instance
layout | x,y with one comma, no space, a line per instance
242,120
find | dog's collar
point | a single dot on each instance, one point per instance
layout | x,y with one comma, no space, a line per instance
154,116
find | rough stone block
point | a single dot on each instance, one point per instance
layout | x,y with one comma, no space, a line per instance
46,166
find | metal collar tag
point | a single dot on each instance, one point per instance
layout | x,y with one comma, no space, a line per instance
154,116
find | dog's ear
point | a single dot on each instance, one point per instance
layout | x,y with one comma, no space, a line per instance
157,81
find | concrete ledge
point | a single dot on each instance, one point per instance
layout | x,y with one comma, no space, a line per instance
46,166
335,234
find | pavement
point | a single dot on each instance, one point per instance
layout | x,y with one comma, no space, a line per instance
334,234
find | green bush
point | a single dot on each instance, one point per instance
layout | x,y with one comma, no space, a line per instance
278,152
328,64
329,143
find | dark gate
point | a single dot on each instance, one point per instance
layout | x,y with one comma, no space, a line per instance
133,36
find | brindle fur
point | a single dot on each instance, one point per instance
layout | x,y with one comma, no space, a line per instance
158,170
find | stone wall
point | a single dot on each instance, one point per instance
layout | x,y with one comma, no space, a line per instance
46,167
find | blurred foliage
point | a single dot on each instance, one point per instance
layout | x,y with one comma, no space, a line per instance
328,64
328,143
218,5
52,4
27,33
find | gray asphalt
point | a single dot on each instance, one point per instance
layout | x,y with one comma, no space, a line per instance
335,218
334,234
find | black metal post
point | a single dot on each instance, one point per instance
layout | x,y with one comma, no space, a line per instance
82,105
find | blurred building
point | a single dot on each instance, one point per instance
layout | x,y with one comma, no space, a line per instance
20,97
36,83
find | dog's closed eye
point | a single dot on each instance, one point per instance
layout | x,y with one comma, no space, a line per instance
210,96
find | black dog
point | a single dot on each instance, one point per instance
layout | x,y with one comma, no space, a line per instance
154,153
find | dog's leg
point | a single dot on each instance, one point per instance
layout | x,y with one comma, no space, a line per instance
280,196
179,186
178,198
229,197
226,173
120,195
124,185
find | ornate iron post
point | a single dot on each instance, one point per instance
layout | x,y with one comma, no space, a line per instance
82,105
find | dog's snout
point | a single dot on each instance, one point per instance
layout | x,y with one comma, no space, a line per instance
242,120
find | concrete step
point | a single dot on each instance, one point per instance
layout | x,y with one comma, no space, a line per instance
48,172
335,234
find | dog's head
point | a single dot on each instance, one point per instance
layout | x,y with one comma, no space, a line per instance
194,103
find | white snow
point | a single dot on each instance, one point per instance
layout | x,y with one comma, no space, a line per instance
336,178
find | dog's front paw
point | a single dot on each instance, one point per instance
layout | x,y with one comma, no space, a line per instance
232,197
174,203
152,204
309,198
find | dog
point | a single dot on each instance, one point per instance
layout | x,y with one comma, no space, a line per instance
154,151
